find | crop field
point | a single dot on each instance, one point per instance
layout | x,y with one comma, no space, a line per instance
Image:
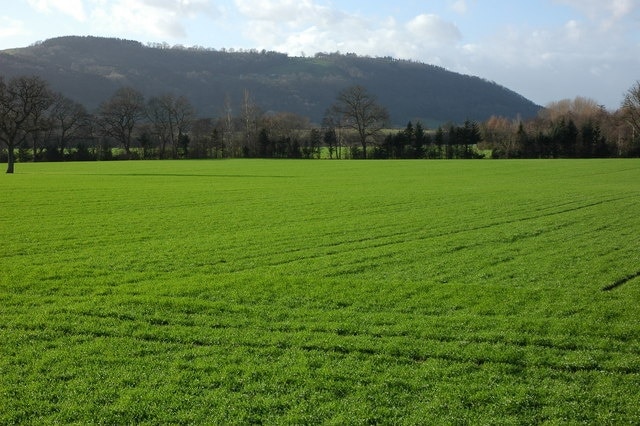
336,292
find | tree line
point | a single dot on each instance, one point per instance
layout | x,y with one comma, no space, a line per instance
38,124
578,128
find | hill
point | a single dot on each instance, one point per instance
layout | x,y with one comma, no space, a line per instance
90,69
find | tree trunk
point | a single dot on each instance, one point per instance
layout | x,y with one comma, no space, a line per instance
363,140
11,159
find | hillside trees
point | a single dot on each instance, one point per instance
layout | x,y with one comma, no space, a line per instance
118,116
23,101
84,67
360,111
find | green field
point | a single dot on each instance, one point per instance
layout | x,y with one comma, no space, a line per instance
339,292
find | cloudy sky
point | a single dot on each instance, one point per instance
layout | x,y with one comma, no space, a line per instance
546,50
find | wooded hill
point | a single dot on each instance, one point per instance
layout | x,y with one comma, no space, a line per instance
90,69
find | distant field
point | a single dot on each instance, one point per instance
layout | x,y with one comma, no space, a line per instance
341,292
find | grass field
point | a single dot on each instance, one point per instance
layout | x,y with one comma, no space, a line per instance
339,292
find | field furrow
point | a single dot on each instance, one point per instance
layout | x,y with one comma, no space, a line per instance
287,292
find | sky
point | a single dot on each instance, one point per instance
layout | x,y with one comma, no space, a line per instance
546,50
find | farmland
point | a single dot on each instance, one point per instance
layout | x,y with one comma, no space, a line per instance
341,292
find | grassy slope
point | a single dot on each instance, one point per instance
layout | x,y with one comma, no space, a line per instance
344,292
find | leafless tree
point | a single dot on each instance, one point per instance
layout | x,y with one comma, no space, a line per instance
69,119
500,133
171,118
22,103
206,139
227,125
119,116
361,112
631,109
285,125
250,116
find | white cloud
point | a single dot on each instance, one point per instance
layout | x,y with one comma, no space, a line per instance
605,13
181,8
159,19
11,27
551,63
305,26
460,6
432,29
125,18
292,11
573,30
598,8
73,8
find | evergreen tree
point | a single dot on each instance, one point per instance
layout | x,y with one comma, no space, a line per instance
264,144
419,141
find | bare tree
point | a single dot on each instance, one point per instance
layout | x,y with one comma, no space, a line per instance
227,124
158,112
332,134
250,116
41,131
361,112
501,134
22,103
183,116
285,125
580,109
171,118
69,119
631,110
206,139
119,115
284,131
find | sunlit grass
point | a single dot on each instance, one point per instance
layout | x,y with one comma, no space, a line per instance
320,291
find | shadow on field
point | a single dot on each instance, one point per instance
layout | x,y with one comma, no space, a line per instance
189,175
621,281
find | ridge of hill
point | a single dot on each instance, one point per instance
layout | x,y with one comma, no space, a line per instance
90,69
